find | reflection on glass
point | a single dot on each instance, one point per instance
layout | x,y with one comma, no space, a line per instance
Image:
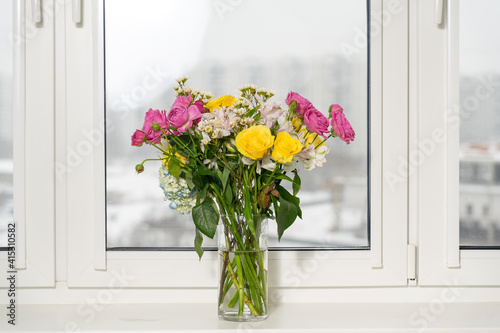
5,119
479,123
280,45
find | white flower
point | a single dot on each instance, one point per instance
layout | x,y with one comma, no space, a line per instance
290,166
270,112
181,198
312,157
247,160
211,163
268,163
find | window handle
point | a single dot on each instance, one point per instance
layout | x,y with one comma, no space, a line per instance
438,15
77,11
36,11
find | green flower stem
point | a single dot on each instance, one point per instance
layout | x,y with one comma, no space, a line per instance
242,283
223,278
262,276
180,143
228,282
271,179
154,145
245,297
222,203
233,300
328,137
151,159
248,266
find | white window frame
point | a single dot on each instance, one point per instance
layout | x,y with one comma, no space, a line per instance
436,180
90,265
34,139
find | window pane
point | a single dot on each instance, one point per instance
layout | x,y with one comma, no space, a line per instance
280,45
6,203
480,123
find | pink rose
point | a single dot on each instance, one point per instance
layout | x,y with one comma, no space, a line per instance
341,125
199,105
336,108
182,116
155,116
316,121
138,138
302,104
182,102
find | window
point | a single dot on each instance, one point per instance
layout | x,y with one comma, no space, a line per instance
221,49
430,178
454,188
480,129
6,112
384,263
29,57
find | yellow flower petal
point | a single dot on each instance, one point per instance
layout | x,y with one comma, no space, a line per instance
254,141
182,159
226,100
285,146
311,138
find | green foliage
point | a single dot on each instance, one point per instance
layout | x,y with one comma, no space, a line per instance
296,183
174,167
248,210
206,217
198,241
289,209
203,176
182,143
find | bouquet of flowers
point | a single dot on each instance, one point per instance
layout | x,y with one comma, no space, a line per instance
228,159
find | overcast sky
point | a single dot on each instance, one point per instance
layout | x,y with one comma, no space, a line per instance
177,35
148,31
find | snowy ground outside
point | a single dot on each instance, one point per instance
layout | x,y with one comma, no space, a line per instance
138,216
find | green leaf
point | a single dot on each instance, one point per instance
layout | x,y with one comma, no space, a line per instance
201,195
206,218
286,215
228,195
198,241
275,205
296,183
288,211
174,167
225,177
289,197
285,177
247,211
203,176
219,174
189,180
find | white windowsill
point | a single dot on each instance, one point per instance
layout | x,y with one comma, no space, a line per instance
326,317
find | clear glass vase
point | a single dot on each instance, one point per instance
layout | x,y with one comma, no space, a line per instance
243,269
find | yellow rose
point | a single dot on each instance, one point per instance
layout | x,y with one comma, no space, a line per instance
226,100
285,146
254,141
311,138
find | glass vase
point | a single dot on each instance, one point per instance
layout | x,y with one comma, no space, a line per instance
243,268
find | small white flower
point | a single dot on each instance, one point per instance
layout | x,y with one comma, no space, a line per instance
268,164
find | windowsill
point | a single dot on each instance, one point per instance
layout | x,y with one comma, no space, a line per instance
317,317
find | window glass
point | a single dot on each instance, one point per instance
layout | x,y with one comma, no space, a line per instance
479,123
6,168
316,48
